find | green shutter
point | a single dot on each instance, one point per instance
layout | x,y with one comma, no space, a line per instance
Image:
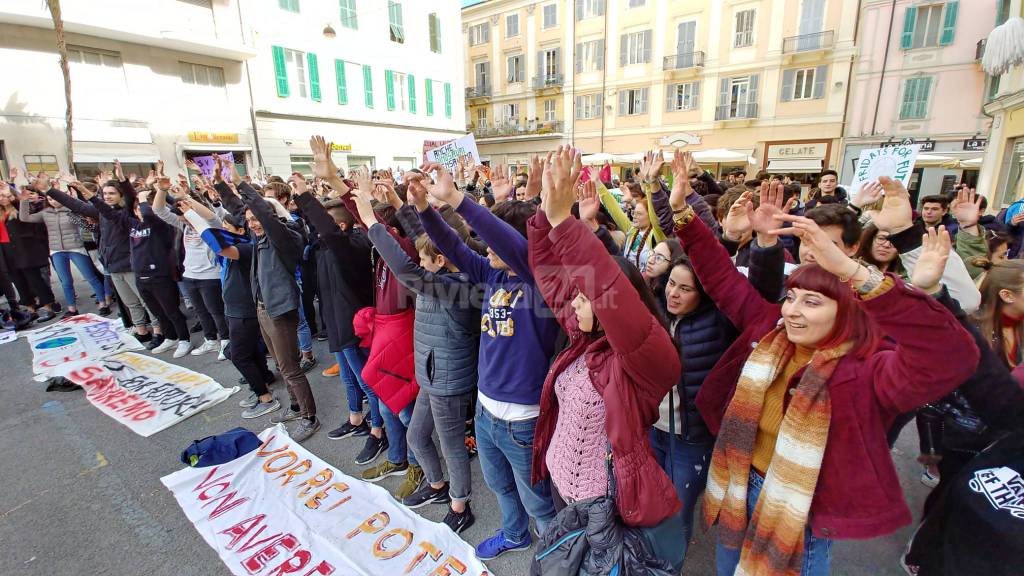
367,86
949,23
339,74
411,80
389,88
909,20
428,85
447,100
314,77
923,94
280,71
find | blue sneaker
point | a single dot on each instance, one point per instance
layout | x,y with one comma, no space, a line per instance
497,545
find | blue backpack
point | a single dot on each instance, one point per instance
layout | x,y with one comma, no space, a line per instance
221,448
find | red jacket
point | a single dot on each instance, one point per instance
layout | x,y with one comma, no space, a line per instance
858,494
391,368
632,367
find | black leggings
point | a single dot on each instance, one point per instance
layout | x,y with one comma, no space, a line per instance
34,286
246,355
207,298
161,297
6,286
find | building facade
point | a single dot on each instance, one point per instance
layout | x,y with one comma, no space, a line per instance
761,82
1002,172
918,77
149,80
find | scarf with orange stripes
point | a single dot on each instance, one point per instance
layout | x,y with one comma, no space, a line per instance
772,542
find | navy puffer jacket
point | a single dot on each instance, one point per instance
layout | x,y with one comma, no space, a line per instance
702,337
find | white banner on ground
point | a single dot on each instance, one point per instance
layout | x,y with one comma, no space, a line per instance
449,154
82,337
281,510
143,393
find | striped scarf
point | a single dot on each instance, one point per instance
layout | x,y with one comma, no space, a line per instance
772,542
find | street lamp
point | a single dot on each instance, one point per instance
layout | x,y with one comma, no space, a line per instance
329,32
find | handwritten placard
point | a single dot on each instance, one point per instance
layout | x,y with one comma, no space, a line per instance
448,154
207,164
896,162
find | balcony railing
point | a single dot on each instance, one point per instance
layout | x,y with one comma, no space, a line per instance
809,42
979,51
478,91
683,61
548,81
516,129
736,111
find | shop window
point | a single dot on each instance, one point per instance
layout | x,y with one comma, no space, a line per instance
1012,181
5,167
35,163
360,161
303,165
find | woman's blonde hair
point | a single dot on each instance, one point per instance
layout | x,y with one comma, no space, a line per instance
1008,275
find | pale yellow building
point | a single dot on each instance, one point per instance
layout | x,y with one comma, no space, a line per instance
758,81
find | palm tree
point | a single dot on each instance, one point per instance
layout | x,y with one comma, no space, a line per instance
62,49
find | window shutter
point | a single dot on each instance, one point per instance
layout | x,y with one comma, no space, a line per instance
367,86
752,98
623,94
389,88
923,93
509,69
949,24
579,10
558,60
670,97
908,97
428,85
642,108
820,75
314,77
600,7
696,95
599,103
521,68
579,57
788,77
722,111
540,64
909,20
600,54
646,55
447,100
623,49
280,71
487,33
339,74
411,81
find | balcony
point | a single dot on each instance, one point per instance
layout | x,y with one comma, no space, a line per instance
512,128
736,112
478,93
979,50
684,61
548,82
809,42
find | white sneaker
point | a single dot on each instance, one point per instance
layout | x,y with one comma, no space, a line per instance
207,346
222,355
164,346
183,348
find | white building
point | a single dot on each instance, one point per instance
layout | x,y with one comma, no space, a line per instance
390,79
150,79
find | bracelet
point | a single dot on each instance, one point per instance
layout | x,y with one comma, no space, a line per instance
848,277
875,279
683,217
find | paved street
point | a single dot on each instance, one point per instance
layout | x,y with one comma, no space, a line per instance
81,494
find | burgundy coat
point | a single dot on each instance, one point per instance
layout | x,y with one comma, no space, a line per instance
632,367
858,494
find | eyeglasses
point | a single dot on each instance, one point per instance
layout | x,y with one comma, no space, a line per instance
658,258
882,240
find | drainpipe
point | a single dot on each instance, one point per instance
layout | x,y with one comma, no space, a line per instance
248,82
885,60
849,89
604,74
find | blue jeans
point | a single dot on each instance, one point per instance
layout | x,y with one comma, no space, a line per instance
688,470
396,425
62,264
506,457
817,551
305,336
351,376
356,358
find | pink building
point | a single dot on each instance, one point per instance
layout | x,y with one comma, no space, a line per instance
918,76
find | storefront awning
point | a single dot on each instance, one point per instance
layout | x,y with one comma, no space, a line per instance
106,153
201,147
724,156
802,166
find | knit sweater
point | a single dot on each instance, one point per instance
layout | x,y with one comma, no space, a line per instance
576,455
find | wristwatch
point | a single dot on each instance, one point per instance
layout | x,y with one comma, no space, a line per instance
683,217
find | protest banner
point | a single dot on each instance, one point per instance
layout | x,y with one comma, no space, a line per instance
281,510
449,154
143,393
896,162
82,337
429,145
207,164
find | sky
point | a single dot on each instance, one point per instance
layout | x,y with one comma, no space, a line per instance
470,2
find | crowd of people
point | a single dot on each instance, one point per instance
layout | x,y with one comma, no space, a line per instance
663,346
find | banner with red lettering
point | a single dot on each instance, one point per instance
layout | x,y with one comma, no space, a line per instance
143,393
82,337
281,510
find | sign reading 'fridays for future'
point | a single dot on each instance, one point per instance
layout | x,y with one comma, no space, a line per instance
896,162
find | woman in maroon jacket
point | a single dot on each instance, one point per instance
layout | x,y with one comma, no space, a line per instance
801,402
620,356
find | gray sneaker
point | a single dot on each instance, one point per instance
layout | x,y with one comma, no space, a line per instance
251,401
261,408
304,429
285,416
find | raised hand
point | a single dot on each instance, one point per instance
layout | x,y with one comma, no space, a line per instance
896,214
415,190
651,165
501,186
363,180
160,167
931,263
298,184
870,193
535,178
736,224
565,170
118,172
820,246
323,164
589,204
443,188
763,219
966,208
218,169
151,178
692,165
681,188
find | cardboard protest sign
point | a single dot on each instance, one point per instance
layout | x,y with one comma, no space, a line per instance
82,337
282,510
207,164
896,162
143,393
429,145
449,154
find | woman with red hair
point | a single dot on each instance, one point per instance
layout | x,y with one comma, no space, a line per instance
802,400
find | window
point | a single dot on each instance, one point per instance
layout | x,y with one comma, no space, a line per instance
589,107
434,23
396,90
481,118
991,87
916,92
395,21
99,89
302,164
35,163
635,48
200,75
447,100
744,35
360,161
479,34
289,5
550,65
510,114
428,87
295,63
550,16
637,3
348,14
929,26
682,97
367,86
590,56
549,111
339,75
804,84
632,101
483,75
737,97
511,25
589,9
516,69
